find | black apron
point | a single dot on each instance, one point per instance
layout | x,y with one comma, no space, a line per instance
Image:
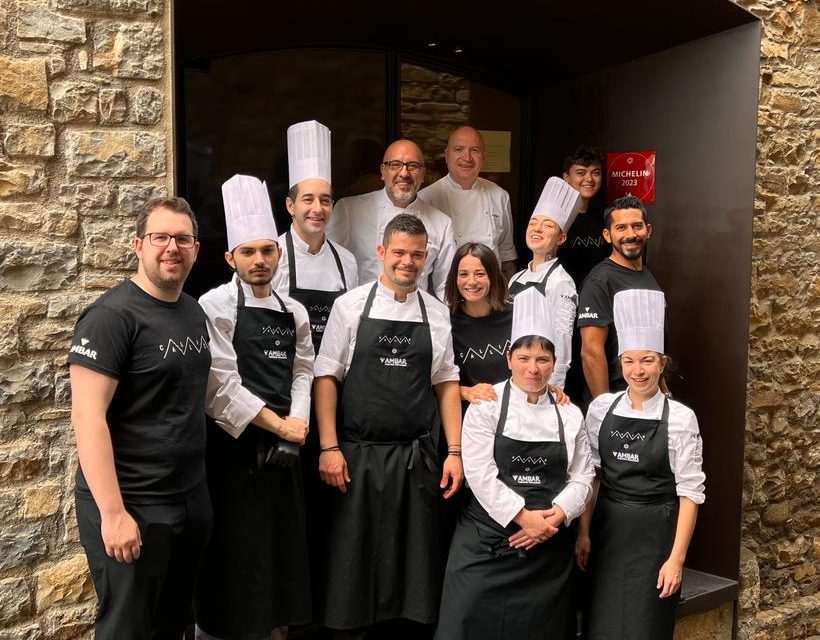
384,551
516,286
254,577
493,591
632,531
318,303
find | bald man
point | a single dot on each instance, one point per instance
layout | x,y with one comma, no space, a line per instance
358,222
479,209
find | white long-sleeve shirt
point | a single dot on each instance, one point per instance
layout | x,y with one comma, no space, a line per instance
339,341
358,224
562,298
528,422
317,271
685,444
481,213
229,403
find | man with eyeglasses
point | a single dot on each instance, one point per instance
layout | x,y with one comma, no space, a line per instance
139,363
480,209
358,222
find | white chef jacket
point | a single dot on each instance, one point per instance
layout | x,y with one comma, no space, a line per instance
685,444
563,300
528,422
481,213
358,223
339,341
315,271
230,404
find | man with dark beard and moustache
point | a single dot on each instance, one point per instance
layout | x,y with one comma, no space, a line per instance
255,580
627,229
358,222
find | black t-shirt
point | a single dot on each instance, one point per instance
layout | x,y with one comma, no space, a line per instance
585,247
158,352
595,306
480,345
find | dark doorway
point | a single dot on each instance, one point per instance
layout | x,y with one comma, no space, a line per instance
679,78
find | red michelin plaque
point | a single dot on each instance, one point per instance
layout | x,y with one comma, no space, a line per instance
630,173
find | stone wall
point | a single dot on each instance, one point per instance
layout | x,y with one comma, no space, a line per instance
781,519
84,137
433,103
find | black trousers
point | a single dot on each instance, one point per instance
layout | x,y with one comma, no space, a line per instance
150,598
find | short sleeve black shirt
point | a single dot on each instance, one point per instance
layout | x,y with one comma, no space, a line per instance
585,246
158,352
595,306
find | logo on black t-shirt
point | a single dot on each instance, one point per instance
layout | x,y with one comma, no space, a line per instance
587,314
82,349
183,347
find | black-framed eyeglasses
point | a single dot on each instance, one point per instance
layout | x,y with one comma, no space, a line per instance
183,240
396,165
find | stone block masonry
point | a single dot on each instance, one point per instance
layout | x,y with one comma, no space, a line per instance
85,135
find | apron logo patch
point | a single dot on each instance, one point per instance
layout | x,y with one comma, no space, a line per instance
276,331
317,328
588,314
394,362
395,339
521,478
626,435
275,354
529,460
184,346
321,308
626,457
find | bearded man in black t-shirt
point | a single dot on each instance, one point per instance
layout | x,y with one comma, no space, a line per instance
627,229
139,363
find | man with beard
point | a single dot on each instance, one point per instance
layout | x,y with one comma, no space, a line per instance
627,229
358,222
139,365
480,209
255,579
390,345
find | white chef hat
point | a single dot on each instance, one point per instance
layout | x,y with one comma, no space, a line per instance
308,152
532,316
639,320
248,214
560,201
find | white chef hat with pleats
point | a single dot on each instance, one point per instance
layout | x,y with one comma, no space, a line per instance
559,201
639,320
248,214
532,316
308,152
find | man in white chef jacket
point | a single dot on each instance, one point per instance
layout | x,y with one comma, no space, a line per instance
480,209
386,363
358,222
312,269
255,579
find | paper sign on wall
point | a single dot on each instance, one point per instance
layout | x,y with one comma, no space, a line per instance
497,155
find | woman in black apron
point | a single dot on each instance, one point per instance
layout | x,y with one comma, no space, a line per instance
509,572
648,452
